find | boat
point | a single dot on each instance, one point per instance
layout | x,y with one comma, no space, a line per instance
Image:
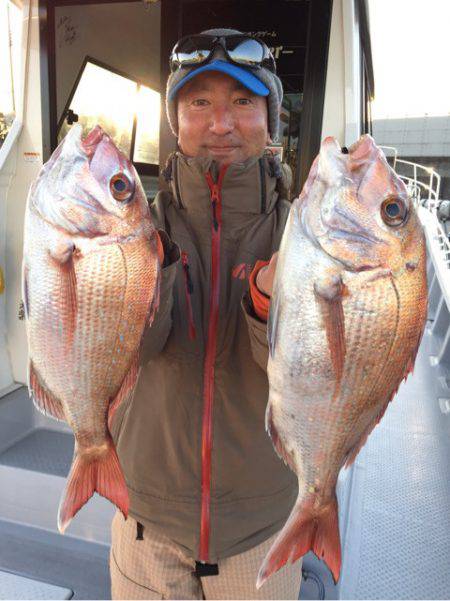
85,61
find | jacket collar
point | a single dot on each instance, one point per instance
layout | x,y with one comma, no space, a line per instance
248,187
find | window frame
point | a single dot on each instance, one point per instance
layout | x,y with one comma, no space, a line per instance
17,124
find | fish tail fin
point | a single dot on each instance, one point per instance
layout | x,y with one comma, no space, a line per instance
93,473
306,530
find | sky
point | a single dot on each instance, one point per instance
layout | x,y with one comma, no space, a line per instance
411,56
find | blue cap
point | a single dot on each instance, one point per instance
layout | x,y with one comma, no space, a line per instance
239,73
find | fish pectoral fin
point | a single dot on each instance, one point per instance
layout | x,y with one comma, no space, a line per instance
42,398
329,292
61,251
61,248
126,388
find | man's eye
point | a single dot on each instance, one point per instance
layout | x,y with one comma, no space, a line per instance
200,102
243,101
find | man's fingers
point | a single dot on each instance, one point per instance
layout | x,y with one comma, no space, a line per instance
264,278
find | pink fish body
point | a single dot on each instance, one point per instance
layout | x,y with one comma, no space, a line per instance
347,314
91,284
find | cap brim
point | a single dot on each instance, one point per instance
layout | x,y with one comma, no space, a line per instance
246,78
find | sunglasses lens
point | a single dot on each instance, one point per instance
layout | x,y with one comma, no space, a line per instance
246,52
191,51
191,58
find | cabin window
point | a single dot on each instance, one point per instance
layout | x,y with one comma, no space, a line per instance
10,58
127,110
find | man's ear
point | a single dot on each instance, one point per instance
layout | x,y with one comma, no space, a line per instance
269,140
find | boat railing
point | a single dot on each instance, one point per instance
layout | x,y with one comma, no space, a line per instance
423,184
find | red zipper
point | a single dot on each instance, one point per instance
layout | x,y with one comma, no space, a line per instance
188,288
210,355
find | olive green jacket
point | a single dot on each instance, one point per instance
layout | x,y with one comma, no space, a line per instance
198,462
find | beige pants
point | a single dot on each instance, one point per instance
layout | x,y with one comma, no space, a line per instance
156,568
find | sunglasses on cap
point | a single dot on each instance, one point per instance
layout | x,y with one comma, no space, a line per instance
242,50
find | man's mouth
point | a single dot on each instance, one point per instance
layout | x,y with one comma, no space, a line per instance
222,148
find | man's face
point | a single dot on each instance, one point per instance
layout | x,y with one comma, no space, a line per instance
219,118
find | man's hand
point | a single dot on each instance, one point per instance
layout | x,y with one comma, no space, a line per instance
264,278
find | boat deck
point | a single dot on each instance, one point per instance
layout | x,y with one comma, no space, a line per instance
397,529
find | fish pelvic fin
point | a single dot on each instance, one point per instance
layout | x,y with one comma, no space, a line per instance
306,530
93,472
43,399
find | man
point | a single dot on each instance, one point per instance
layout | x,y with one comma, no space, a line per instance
207,490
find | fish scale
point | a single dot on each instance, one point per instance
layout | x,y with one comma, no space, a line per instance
347,313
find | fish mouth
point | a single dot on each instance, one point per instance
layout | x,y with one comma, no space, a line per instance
92,140
75,143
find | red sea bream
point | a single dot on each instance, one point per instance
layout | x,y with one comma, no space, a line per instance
347,313
91,284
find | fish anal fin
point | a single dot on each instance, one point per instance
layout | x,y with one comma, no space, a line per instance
329,293
306,530
93,472
125,389
276,441
353,452
43,398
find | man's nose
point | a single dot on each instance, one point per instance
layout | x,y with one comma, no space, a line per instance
222,121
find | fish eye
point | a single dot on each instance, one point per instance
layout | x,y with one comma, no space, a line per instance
121,187
394,211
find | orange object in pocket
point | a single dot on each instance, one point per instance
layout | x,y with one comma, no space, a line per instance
260,300
160,249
